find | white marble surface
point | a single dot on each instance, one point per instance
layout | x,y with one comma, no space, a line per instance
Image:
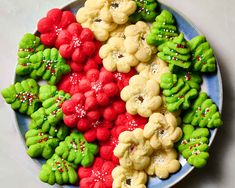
213,17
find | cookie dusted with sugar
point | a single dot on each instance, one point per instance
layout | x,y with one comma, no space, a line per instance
142,96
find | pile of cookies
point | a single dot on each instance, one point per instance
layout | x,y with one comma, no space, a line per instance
122,96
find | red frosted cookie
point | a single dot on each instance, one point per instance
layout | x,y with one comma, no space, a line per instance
98,175
51,25
80,111
76,42
99,84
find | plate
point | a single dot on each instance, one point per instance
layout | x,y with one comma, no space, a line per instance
212,84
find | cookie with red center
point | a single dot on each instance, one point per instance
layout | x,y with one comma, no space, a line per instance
51,25
69,82
80,111
128,122
76,43
100,85
98,175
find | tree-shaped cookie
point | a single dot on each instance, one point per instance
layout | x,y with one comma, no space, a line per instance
77,150
203,113
48,65
180,90
163,29
202,55
23,96
146,10
176,53
29,45
194,145
57,170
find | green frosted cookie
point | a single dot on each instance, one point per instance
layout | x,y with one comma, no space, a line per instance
29,45
179,90
52,101
194,145
77,150
163,29
48,65
203,113
58,170
176,53
202,55
23,96
146,11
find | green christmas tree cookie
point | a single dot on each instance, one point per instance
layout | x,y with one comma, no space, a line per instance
163,29
179,90
57,170
23,96
77,150
52,101
48,65
194,145
146,10
29,45
203,113
202,55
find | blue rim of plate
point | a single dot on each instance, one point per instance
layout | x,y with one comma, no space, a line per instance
212,84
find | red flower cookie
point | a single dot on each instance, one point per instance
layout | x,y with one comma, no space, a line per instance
76,42
98,175
51,25
80,111
99,84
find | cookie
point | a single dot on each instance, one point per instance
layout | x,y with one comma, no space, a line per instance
57,170
98,175
80,112
119,31
141,96
133,150
163,163
163,29
135,41
194,145
115,56
146,11
162,131
76,150
202,55
204,113
100,85
28,45
96,16
153,70
176,53
51,25
179,91
128,178
23,96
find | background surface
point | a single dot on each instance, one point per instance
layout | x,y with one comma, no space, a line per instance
214,18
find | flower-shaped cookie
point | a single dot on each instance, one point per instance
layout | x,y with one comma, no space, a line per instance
123,178
162,131
163,162
80,111
96,16
115,56
141,96
135,41
100,85
51,25
133,150
75,149
76,42
57,170
98,175
153,70
119,31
